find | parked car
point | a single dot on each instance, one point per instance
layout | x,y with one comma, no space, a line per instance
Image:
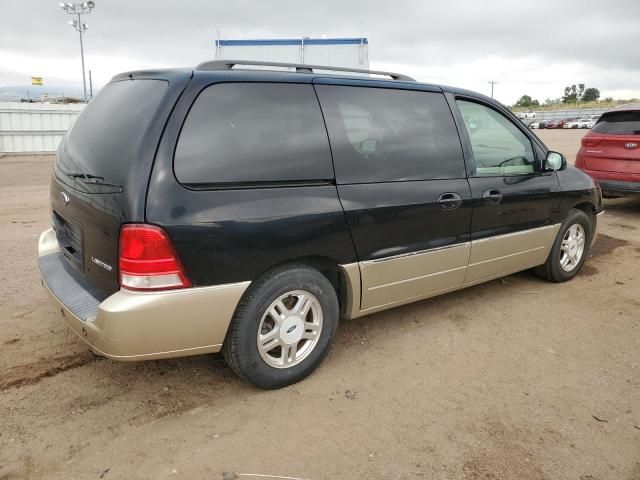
579,123
538,124
610,152
526,115
556,123
247,211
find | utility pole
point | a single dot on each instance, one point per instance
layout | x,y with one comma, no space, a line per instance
90,86
492,83
79,9
217,42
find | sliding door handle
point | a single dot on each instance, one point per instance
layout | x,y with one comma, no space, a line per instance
492,197
450,201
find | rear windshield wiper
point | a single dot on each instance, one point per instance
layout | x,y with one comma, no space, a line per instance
92,179
83,175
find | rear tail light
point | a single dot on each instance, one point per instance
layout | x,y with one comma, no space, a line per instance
148,260
590,142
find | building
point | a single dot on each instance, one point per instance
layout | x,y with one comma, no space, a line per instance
335,52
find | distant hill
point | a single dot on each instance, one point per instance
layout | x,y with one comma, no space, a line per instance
15,93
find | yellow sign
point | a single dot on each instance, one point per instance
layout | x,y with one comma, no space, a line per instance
36,80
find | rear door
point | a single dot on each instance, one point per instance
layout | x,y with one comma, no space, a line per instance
513,201
614,144
101,172
401,180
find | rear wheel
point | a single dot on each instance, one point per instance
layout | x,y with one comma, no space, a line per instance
569,250
283,327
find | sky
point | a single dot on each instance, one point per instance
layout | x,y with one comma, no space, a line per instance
528,47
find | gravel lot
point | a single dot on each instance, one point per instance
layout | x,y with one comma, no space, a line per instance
513,379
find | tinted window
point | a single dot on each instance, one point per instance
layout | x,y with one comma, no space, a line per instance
106,138
499,147
251,132
619,123
381,135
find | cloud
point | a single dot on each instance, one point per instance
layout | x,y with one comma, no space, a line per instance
528,47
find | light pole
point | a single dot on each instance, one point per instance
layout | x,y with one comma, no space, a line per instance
78,9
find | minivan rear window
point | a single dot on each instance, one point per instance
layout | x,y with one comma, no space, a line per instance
619,123
105,140
246,133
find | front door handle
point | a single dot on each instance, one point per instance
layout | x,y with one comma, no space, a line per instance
492,197
450,201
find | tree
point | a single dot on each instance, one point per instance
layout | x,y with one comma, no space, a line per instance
526,101
574,94
570,94
591,95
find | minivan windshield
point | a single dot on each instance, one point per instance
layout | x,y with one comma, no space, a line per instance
98,151
619,123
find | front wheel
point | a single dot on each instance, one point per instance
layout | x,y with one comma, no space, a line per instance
569,250
283,327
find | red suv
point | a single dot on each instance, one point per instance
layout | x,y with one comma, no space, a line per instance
610,152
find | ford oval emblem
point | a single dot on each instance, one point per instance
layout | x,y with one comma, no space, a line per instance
65,197
630,146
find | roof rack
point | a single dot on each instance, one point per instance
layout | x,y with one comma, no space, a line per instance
300,68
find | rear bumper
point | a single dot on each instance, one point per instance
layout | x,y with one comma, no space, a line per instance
138,325
618,186
614,182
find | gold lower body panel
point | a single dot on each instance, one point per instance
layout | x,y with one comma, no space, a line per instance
376,285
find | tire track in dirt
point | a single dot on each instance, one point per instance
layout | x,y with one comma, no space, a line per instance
32,373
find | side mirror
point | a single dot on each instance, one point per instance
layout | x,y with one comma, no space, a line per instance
555,161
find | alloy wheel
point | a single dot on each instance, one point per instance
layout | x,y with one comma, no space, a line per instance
290,329
572,247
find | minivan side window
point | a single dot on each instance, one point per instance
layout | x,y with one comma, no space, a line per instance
386,135
499,147
253,132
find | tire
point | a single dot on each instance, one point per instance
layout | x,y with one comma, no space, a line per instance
564,262
269,308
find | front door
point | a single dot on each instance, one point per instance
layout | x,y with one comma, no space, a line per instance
511,227
401,179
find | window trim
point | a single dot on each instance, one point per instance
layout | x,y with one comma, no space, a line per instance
244,185
466,140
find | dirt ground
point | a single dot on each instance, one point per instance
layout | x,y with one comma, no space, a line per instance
513,379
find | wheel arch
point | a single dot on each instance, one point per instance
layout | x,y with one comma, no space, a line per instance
327,266
587,207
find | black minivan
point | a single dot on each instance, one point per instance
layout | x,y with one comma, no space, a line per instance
246,207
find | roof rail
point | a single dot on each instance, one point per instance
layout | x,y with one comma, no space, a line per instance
300,68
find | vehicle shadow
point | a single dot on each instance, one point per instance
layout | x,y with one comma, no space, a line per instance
625,205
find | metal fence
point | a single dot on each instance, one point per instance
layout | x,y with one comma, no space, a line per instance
538,115
34,127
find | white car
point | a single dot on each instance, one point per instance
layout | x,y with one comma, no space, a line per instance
526,115
580,123
534,125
